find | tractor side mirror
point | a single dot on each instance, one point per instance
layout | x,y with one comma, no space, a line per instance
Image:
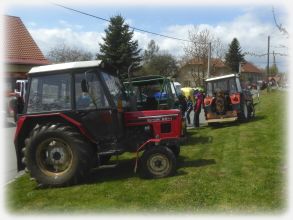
84,86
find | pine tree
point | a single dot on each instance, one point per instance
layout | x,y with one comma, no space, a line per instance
234,55
118,48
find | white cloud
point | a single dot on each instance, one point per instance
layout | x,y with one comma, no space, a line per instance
49,38
247,28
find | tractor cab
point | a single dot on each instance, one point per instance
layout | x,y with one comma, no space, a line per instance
152,92
90,94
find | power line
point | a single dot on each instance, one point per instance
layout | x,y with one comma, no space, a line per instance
134,28
264,54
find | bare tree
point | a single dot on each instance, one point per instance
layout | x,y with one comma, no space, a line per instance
278,25
64,53
197,51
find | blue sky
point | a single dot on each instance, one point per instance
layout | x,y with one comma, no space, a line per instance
149,17
50,25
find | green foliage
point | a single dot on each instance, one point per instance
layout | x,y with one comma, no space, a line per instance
162,64
151,51
274,70
118,48
234,55
156,62
63,53
234,168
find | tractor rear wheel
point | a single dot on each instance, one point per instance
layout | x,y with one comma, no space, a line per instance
175,149
158,162
244,113
57,155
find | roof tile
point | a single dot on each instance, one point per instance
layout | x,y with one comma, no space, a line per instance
20,46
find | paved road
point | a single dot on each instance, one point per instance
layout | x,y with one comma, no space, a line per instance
202,120
10,157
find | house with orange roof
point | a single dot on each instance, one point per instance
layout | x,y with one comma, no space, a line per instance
21,52
250,73
193,72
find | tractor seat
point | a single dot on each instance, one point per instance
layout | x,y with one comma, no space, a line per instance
151,103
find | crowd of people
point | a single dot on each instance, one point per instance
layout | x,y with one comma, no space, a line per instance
187,106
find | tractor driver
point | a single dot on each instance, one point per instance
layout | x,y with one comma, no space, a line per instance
83,101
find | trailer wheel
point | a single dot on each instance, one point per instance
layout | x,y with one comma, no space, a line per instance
57,155
158,162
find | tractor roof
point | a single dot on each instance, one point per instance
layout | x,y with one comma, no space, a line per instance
222,77
65,66
143,80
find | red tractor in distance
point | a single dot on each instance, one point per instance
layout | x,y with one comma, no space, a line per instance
227,101
77,116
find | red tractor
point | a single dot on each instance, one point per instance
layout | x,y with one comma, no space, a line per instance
227,101
77,116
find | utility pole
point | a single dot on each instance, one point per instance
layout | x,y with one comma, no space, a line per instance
268,63
209,58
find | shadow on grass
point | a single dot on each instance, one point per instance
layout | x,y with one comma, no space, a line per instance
235,123
196,163
258,118
195,139
124,170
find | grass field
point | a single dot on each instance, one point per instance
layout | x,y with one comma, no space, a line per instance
233,168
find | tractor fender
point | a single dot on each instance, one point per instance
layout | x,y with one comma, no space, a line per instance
155,141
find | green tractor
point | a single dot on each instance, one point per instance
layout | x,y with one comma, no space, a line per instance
154,92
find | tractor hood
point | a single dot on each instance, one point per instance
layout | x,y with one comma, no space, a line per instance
142,117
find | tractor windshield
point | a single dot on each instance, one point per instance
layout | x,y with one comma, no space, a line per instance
228,86
115,88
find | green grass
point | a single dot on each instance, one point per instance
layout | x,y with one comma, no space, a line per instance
233,168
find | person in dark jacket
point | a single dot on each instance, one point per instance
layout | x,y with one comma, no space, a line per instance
182,104
197,107
189,109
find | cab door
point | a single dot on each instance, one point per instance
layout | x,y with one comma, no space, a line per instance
94,109
117,98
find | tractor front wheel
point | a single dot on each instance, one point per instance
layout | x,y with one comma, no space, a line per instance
158,162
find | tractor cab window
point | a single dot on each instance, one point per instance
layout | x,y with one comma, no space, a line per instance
209,89
220,86
115,88
232,86
49,93
94,97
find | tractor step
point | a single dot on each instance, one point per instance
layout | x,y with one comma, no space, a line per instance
111,152
108,166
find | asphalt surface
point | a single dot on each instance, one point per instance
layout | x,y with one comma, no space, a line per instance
10,168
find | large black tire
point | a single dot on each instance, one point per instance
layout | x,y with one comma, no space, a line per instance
57,155
175,149
157,162
244,115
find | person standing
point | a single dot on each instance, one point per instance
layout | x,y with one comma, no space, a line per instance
182,104
189,109
197,107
